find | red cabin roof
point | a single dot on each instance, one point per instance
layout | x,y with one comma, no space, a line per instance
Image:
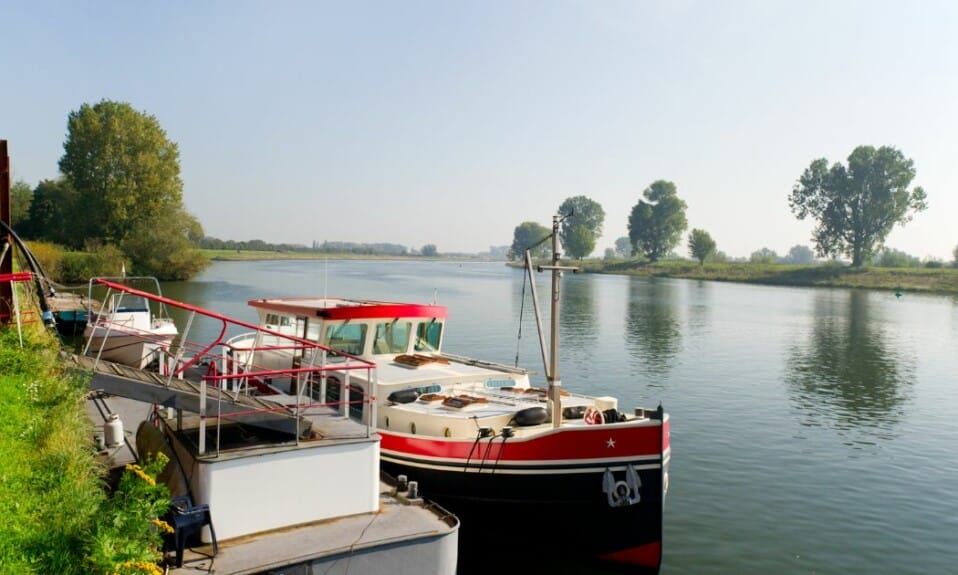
343,309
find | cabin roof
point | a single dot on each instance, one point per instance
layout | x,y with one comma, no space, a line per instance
341,308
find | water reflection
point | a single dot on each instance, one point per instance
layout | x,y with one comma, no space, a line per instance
653,335
847,375
578,319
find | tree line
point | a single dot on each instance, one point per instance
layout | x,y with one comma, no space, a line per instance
855,206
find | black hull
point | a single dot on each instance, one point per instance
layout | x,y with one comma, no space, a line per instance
530,515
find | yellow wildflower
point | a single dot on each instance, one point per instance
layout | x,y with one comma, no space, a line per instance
134,468
162,525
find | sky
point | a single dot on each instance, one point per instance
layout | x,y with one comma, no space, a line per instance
450,123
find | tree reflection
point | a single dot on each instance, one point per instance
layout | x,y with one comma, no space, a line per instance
652,333
846,374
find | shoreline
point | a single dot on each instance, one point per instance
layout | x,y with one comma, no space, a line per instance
943,280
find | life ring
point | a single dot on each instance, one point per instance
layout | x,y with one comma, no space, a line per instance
593,417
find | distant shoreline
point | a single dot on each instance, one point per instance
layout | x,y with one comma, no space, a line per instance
942,280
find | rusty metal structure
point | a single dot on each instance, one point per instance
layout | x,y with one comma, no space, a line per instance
6,243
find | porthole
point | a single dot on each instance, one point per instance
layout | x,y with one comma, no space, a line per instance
447,432
412,428
387,423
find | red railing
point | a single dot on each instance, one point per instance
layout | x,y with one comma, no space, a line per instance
231,368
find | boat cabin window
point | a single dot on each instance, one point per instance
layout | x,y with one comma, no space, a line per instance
434,388
346,337
391,337
276,319
499,383
126,303
428,336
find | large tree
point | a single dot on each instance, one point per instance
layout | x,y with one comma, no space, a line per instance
126,174
701,245
525,236
582,225
656,225
857,205
124,169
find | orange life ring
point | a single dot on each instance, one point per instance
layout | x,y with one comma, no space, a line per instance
593,417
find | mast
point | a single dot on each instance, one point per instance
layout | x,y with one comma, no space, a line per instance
552,374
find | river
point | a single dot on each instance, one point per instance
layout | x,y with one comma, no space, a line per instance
813,430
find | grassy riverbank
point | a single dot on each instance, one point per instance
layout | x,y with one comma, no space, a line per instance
940,280
56,514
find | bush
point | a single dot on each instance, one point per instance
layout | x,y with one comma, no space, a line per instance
50,256
98,261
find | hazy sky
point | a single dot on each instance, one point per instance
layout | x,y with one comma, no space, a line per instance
452,122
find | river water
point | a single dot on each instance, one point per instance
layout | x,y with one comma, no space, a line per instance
813,430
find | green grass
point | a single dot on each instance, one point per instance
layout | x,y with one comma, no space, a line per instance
55,515
941,280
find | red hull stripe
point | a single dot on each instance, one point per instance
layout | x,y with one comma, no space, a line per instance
648,555
585,443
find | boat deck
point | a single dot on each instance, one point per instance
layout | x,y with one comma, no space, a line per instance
411,531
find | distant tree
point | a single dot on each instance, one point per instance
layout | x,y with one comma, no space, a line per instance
21,195
701,245
53,214
799,254
857,206
720,256
609,254
763,256
656,226
580,230
954,254
892,258
430,251
526,235
623,247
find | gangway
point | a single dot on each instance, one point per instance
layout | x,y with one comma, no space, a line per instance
222,385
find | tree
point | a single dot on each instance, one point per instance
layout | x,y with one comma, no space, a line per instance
582,226
525,236
53,213
656,226
701,245
799,254
124,169
623,247
892,258
763,256
858,205
20,198
126,174
161,247
954,254
430,250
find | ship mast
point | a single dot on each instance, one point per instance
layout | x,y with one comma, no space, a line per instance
552,365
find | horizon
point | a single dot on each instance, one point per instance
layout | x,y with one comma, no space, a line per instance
427,123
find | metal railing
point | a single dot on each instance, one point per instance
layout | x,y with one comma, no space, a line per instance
234,367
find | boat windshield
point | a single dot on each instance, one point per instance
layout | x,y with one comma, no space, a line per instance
428,336
346,337
391,337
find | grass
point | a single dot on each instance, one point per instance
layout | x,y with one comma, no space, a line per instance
941,280
55,515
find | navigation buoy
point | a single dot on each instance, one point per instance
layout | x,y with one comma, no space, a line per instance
898,293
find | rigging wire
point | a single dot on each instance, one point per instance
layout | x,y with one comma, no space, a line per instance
522,307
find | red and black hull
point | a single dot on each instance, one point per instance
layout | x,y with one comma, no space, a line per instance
515,495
